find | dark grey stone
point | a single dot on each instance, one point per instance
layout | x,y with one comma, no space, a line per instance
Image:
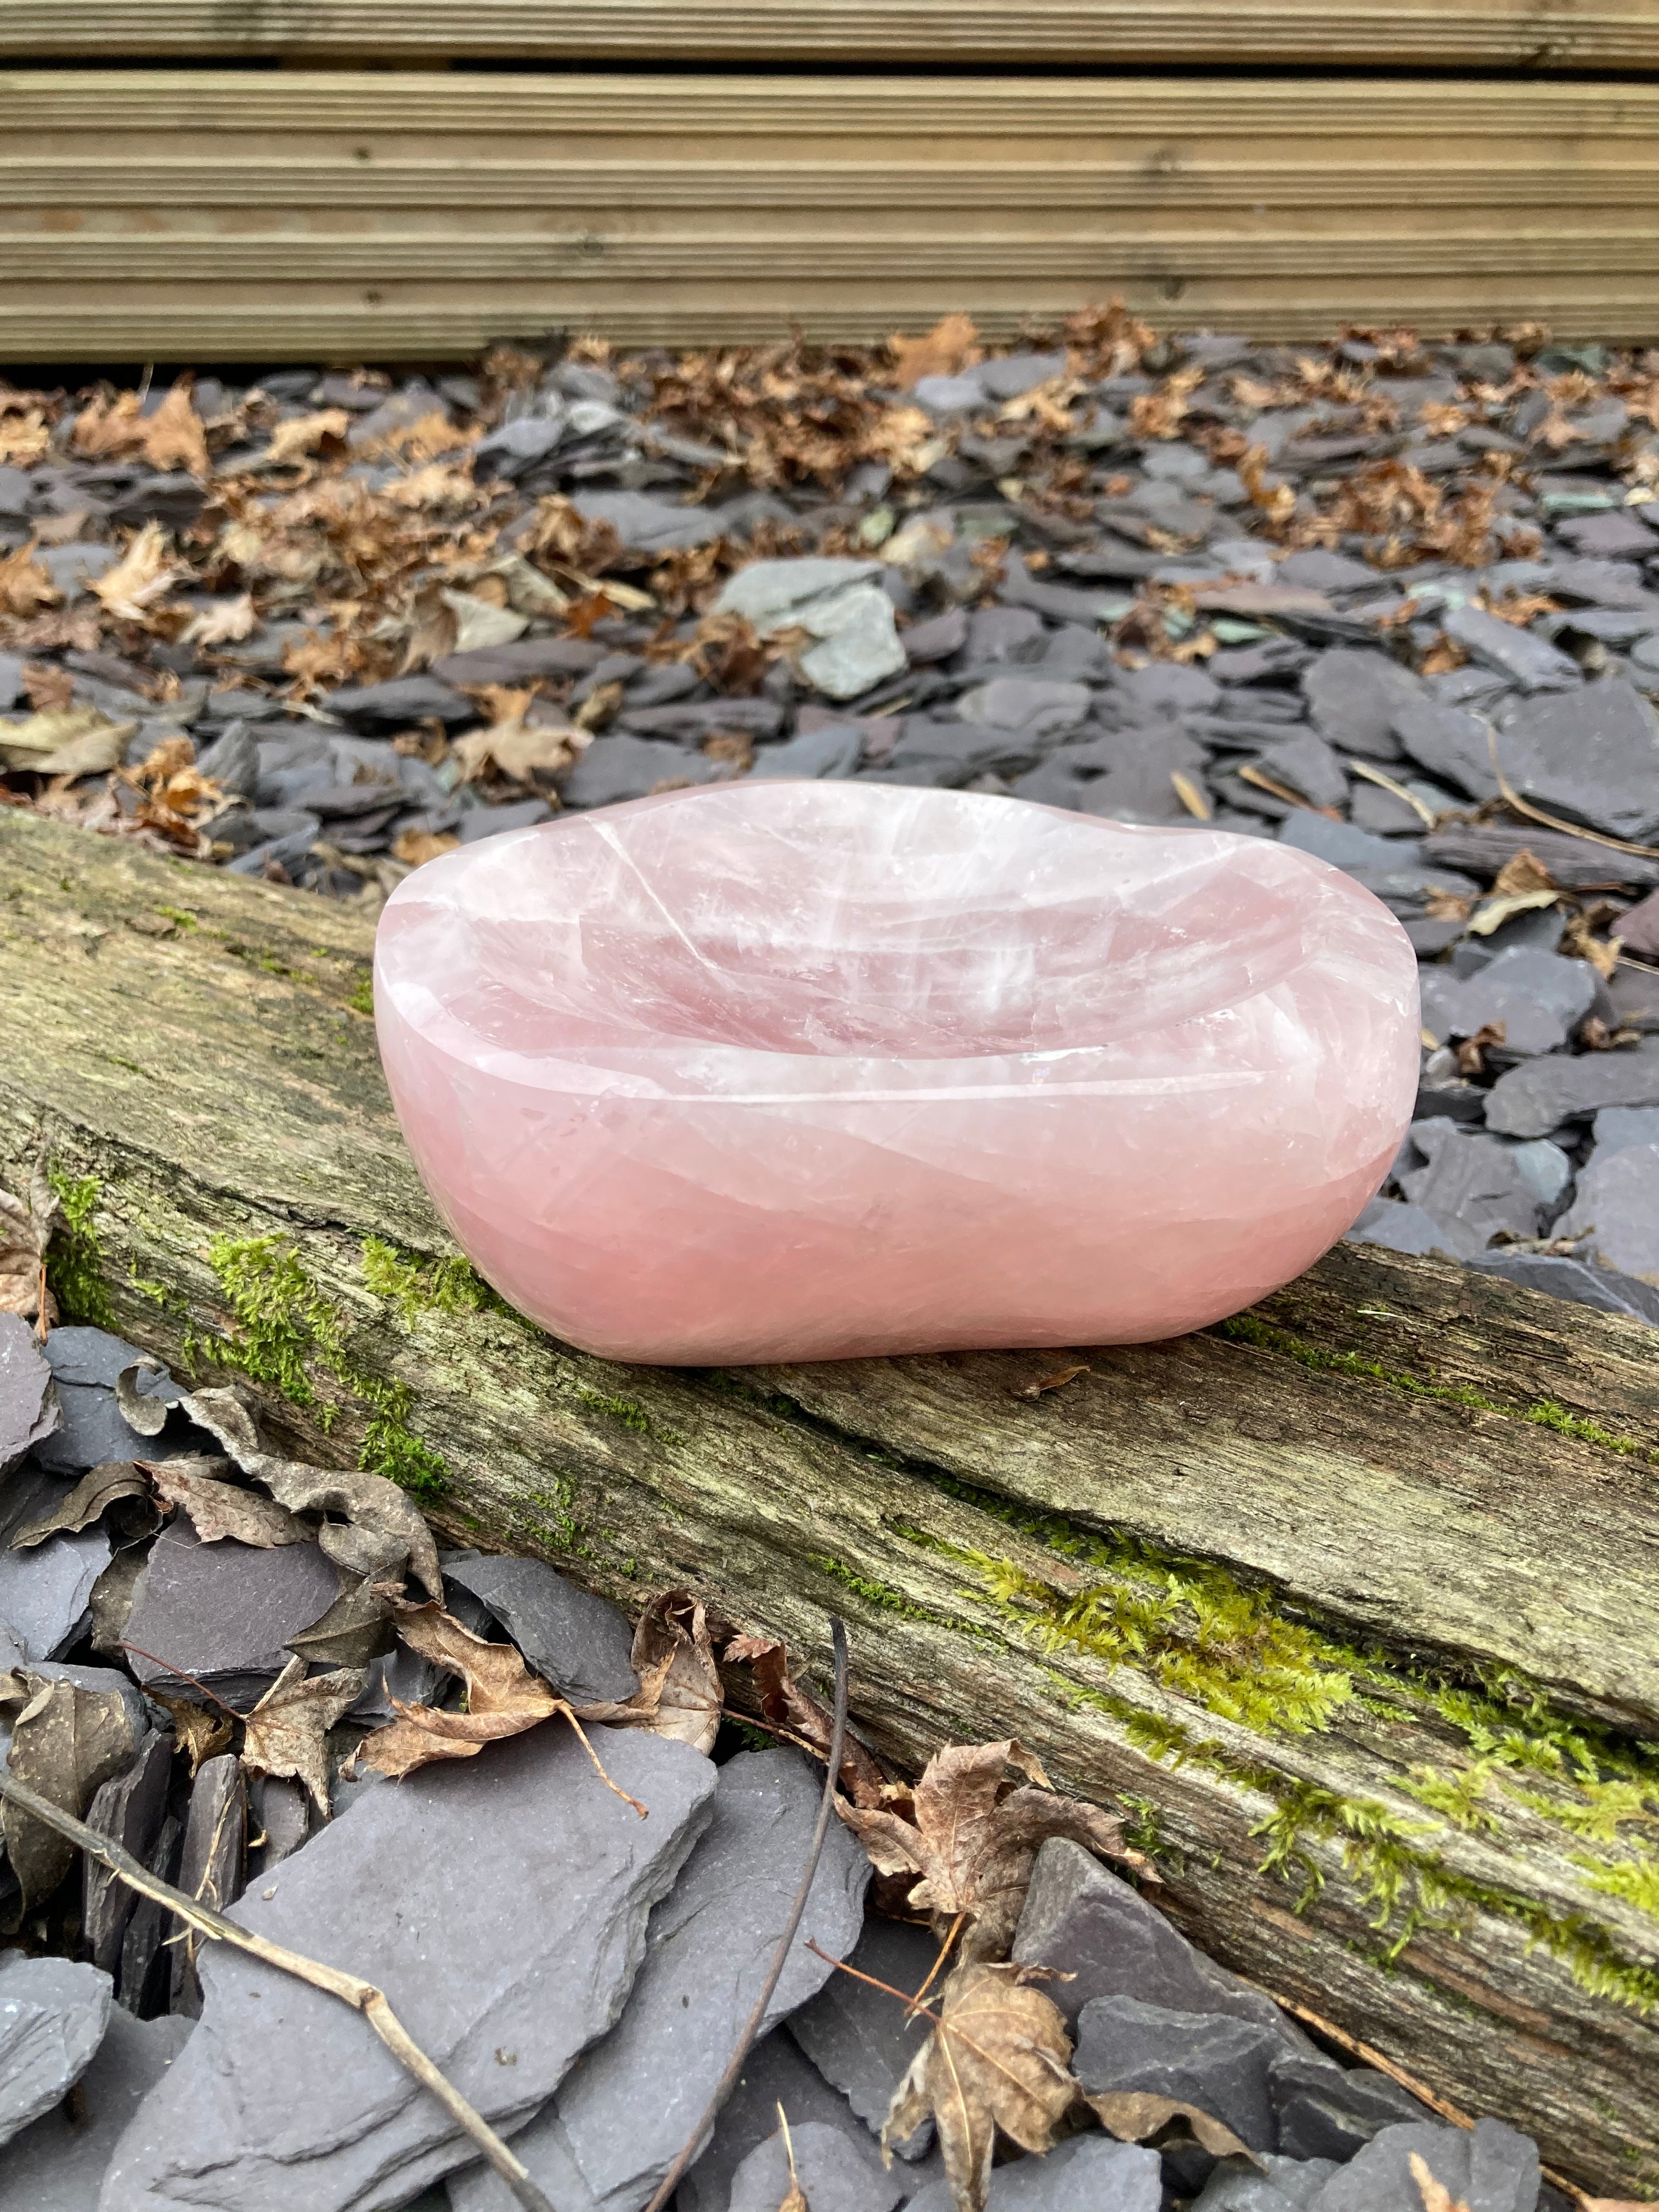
1061,602
53,2016
45,1591
1006,379
278,1819
1608,536
85,1362
930,641
954,752
480,821
579,1642
1308,764
233,760
1532,1100
1515,655
833,751
1278,2184
623,767
1356,852
58,2164
521,662
285,852
1592,757
1451,743
1354,695
1317,570
1140,768
1558,1277
1033,705
775,2073
516,448
1617,1127
1395,1226
833,2168
691,720
708,1950
501,1904
1539,998
1084,1921
130,1808
651,525
28,1397
1085,2173
1470,1178
401,703
224,1612
1324,2112
1489,2168
211,1861
1616,1210
1218,2064
857,2037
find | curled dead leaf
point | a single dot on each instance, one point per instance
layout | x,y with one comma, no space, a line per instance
306,434
26,586
201,1732
287,1732
222,621
217,1508
101,1487
1136,2115
972,1836
951,345
141,579
996,2061
27,1228
679,1693
790,1706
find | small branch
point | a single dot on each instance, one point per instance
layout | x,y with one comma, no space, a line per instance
728,2081
361,1996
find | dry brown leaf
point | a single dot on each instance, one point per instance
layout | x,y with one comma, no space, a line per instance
306,434
217,1508
997,2060
1136,2115
65,1743
201,1732
1471,1051
1495,912
788,1705
1436,2197
95,1490
951,345
222,621
356,1628
503,1698
414,847
679,1693
141,579
26,1229
25,437
108,424
173,437
1524,871
971,1835
287,1732
518,750
25,584
1056,1381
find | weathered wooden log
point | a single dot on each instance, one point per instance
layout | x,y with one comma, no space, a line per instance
1350,1606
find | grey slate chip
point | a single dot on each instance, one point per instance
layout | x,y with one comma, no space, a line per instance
1450,743
1395,1226
833,751
776,2072
1616,1208
708,1950
1616,1126
1308,764
579,1642
1591,755
401,703
1531,662
1085,2173
1324,2112
1278,2184
500,1904
1354,695
1539,998
58,2164
130,1807
622,766
1489,2168
1558,1277
1532,1100
45,1591
1473,1179
224,1612
53,2016
856,2036
834,2171
211,1861
28,1396
1216,2062
1081,1920
85,1362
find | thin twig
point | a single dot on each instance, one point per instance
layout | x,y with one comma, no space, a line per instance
1512,798
184,1675
361,1996
728,2081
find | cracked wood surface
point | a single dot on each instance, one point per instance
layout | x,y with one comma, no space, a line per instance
1363,1588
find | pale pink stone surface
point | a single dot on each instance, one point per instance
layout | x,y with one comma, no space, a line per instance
800,1070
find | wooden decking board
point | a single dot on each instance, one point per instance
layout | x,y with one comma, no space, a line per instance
1475,35
178,214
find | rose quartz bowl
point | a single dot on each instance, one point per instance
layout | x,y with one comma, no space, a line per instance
804,1071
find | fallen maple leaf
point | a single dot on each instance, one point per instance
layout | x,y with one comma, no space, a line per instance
222,621
951,345
305,434
287,1732
173,437
66,1741
27,1228
997,2060
217,1508
788,1706
679,1693
108,424
972,1836
25,586
25,436
1136,2115
144,576
199,1733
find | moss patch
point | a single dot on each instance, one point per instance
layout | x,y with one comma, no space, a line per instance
75,1263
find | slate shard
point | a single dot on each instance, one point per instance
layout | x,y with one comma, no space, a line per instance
85,1362
28,1398
223,1611
130,1808
53,2016
857,2037
821,1149
579,1643
1086,2173
830,2167
1216,2062
280,2096
1325,2111
58,2164
708,1950
1489,2167
210,1863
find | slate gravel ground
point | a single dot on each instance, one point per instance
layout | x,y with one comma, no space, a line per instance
318,628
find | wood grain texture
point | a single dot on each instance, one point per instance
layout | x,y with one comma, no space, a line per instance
1346,1589
1477,33
180,214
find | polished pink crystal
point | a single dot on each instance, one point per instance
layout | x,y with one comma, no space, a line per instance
803,1070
